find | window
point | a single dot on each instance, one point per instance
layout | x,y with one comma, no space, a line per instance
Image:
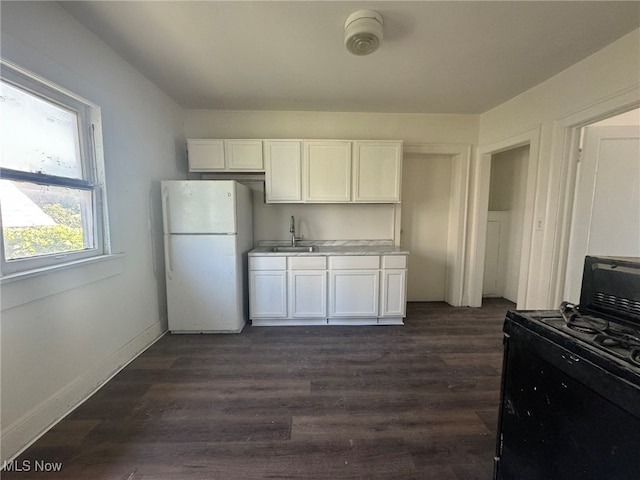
52,207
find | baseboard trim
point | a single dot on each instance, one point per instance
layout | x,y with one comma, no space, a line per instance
22,433
287,322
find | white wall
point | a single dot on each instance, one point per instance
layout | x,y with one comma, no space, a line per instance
323,222
59,348
330,222
606,81
410,127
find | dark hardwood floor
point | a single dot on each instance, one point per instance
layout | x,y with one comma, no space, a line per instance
388,402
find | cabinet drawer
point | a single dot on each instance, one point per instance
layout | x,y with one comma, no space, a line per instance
394,261
267,263
307,263
349,262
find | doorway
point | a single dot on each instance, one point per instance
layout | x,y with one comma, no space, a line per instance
426,188
505,218
605,217
433,220
478,216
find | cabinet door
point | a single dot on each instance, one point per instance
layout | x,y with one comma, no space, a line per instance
327,171
205,155
354,293
377,171
283,177
268,294
307,294
243,155
393,301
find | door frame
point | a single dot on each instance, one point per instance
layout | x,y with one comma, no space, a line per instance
567,130
460,155
479,214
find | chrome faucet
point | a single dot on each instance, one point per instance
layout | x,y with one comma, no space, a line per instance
292,230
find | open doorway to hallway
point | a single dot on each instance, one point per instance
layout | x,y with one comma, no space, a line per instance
505,219
529,141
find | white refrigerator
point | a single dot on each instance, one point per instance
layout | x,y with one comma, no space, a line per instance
208,231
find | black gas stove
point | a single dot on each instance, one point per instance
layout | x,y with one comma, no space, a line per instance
570,403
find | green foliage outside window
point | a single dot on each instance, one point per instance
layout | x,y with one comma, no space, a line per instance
65,236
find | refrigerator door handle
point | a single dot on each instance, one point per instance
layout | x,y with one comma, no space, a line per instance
165,210
167,257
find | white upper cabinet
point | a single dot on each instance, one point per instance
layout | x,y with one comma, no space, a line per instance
205,155
377,171
283,172
327,171
243,155
210,155
309,171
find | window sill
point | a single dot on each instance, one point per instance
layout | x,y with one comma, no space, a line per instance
25,287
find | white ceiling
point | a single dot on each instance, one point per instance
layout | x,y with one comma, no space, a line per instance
436,57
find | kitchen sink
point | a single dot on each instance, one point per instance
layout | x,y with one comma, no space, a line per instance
293,249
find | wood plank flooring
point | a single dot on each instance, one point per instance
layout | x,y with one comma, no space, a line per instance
388,402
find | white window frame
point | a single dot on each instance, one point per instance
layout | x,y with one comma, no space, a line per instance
92,161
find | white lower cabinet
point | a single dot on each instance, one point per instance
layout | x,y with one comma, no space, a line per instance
294,294
269,297
350,290
393,289
354,289
267,287
308,294
393,302
354,293
308,289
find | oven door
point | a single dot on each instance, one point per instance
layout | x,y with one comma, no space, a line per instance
563,417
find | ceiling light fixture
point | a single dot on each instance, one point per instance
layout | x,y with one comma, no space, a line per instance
363,32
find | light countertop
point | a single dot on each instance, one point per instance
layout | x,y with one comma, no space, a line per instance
332,247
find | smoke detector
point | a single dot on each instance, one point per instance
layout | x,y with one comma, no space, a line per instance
363,32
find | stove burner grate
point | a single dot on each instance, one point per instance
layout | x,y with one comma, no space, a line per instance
634,357
581,324
614,338
618,340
